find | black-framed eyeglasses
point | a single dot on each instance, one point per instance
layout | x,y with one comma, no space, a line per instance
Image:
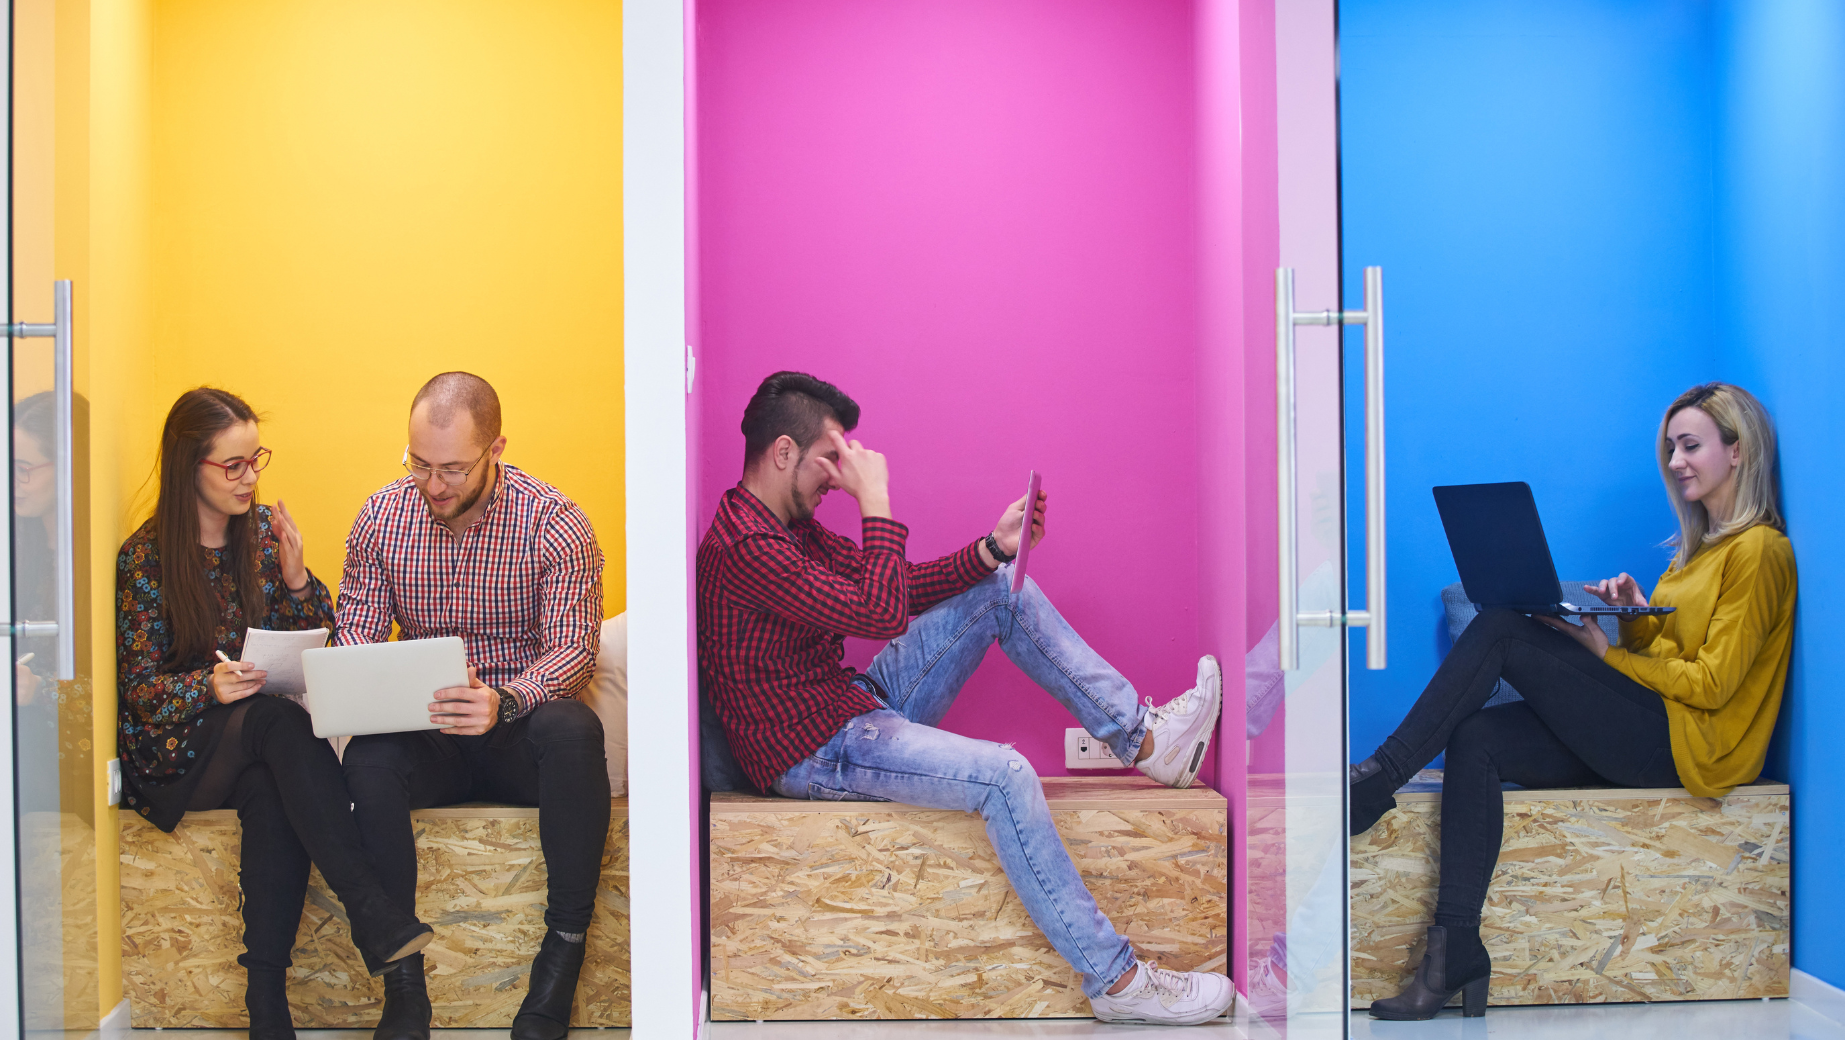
233,470
451,477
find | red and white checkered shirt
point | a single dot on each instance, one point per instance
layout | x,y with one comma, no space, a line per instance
522,586
775,605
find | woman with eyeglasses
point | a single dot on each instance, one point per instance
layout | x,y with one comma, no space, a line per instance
198,733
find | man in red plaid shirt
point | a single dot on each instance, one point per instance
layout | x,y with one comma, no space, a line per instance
777,595
466,545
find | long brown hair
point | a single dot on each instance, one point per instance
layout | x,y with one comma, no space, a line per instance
191,606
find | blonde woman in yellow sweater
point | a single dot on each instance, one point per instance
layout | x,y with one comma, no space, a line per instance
1687,698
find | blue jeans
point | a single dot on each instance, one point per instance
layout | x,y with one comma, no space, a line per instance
896,754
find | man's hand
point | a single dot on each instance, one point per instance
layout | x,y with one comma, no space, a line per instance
1590,634
1621,591
466,711
1012,523
861,473
232,681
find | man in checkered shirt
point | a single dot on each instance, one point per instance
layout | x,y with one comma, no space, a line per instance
777,595
466,545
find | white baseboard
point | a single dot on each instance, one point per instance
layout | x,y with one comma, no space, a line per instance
1818,995
115,1023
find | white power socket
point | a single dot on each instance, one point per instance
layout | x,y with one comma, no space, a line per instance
115,781
1082,751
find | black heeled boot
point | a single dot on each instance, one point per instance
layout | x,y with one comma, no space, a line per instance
265,996
1455,962
386,935
545,1014
406,1002
1372,795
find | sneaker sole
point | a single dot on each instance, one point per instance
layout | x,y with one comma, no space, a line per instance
1195,1020
1198,746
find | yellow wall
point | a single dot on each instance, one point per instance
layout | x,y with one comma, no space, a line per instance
350,196
318,204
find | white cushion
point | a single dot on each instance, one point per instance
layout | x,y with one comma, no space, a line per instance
607,695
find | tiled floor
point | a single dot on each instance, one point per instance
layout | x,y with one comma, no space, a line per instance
1709,1020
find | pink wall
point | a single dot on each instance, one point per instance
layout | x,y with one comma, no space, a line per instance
982,221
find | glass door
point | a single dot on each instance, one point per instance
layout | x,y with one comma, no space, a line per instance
52,738
1296,842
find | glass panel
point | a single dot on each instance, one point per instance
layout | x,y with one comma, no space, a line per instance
1296,831
54,729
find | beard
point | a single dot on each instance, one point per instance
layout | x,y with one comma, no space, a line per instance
464,502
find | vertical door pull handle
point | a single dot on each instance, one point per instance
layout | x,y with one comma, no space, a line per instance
1372,619
59,332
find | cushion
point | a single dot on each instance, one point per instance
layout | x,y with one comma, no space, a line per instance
607,695
1461,611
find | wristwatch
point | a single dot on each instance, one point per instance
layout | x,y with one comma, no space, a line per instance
993,548
509,705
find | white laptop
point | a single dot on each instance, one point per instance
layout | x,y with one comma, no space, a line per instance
380,687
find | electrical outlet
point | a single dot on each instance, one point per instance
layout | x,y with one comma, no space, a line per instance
115,781
1082,751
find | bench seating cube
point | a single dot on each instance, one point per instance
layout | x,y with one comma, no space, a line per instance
1601,895
481,884
876,910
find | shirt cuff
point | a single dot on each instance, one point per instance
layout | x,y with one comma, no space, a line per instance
881,533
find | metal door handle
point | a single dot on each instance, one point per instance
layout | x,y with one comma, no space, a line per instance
59,332
1372,619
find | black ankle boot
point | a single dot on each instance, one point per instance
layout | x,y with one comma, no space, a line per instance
545,1015
386,935
265,996
406,1002
1372,795
1456,962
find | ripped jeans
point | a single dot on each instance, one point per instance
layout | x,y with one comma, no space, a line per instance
896,754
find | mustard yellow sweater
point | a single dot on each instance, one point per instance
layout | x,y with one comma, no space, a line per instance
1720,661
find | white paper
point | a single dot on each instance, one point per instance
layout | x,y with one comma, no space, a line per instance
279,654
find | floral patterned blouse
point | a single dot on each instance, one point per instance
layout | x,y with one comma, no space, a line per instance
161,728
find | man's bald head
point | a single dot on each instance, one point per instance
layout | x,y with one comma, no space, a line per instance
451,395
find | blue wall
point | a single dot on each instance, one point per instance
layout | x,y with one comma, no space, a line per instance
1536,181
1781,117
1637,197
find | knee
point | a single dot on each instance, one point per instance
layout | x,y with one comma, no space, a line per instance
255,791
1010,773
1471,743
1495,622
564,720
373,764
279,714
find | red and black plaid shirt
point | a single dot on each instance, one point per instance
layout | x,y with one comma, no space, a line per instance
522,586
775,605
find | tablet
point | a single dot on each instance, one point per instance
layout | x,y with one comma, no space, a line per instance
1031,511
380,687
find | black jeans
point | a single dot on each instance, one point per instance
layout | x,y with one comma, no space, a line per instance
291,799
1580,723
551,758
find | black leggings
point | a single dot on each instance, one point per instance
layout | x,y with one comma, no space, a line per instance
290,797
1580,723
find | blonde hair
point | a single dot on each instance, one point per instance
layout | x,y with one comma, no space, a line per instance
1740,419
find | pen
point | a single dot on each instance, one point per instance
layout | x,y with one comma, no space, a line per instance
222,657
27,659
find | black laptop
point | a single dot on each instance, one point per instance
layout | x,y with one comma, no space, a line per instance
1499,548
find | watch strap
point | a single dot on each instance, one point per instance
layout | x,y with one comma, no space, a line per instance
994,551
509,705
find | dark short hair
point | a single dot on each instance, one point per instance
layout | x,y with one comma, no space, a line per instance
796,405
453,393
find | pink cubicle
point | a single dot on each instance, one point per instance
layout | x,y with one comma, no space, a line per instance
1023,235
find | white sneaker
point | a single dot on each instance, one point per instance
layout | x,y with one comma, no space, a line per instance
1167,998
1181,728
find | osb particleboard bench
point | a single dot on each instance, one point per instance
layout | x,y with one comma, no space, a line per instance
1601,895
832,910
481,883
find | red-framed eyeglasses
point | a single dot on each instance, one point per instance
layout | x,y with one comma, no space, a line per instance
233,470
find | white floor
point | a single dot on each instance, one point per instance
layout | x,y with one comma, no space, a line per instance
1706,1020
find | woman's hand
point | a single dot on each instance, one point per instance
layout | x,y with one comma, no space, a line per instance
25,684
232,681
1620,591
294,557
1590,634
1012,524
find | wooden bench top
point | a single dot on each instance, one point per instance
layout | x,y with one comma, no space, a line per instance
618,808
1426,787
1062,792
